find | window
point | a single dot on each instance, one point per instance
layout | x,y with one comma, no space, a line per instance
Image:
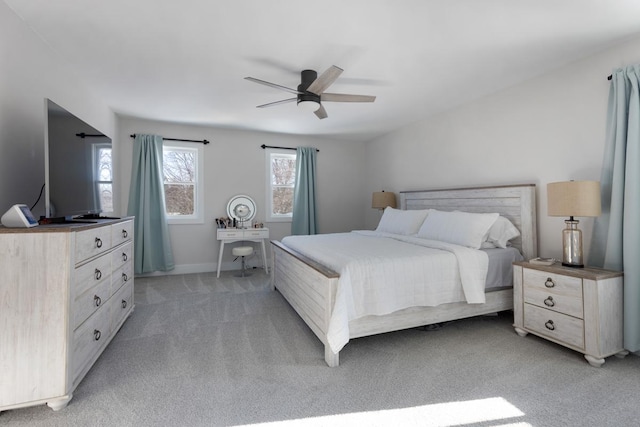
281,176
182,170
103,177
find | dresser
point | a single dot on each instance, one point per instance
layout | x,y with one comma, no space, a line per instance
579,308
230,235
65,290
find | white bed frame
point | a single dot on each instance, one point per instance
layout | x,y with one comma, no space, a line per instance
310,288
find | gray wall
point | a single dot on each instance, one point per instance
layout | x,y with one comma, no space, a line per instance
235,164
29,73
548,129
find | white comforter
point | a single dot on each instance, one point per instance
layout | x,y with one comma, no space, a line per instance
381,273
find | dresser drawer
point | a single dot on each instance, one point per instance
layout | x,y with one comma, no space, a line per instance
566,304
560,327
554,283
121,276
121,305
121,255
91,274
89,302
121,232
92,242
89,338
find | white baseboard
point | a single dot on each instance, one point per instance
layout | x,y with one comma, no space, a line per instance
201,268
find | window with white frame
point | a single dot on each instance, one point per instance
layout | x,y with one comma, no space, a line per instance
183,181
281,176
103,176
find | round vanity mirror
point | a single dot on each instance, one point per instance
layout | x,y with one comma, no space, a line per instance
241,208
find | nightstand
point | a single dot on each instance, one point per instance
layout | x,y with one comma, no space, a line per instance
579,308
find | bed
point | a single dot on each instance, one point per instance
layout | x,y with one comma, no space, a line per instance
312,287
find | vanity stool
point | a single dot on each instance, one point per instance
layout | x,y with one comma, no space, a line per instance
242,251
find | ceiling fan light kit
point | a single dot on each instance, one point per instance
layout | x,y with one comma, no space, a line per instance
311,106
310,92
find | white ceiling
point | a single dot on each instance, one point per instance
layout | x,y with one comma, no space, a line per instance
184,61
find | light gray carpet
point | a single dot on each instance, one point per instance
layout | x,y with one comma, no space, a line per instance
201,351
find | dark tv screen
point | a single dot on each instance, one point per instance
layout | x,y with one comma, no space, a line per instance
78,167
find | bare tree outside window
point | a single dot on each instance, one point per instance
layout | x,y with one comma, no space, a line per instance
283,181
179,170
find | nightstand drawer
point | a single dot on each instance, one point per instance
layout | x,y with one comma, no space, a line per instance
560,327
566,304
551,282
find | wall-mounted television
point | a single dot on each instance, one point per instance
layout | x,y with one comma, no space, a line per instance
78,167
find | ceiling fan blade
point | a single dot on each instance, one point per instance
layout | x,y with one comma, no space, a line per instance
343,97
273,85
325,80
271,104
321,113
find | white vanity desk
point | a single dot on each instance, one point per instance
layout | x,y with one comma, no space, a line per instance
230,235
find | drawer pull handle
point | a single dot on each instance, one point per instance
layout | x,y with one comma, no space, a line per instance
125,234
124,257
549,325
124,304
98,274
97,300
549,283
549,302
98,242
96,334
125,277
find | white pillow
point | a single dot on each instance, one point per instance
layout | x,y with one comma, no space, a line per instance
460,228
501,232
487,245
397,221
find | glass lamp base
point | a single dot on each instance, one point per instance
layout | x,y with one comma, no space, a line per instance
572,245
573,265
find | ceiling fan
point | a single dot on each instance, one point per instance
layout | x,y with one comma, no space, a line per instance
311,91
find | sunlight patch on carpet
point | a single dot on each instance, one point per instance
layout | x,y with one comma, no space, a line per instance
440,414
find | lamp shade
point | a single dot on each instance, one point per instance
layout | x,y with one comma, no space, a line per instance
382,199
573,198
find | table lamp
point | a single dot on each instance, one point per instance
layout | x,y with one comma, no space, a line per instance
382,199
573,198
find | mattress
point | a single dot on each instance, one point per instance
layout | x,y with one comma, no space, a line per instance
500,271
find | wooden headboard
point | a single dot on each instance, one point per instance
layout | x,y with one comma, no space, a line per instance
515,202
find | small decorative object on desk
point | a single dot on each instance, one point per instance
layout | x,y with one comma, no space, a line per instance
224,223
543,261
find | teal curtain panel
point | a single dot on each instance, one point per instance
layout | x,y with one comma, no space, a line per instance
304,221
616,234
152,250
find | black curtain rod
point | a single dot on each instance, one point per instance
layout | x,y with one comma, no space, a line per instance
610,77
85,135
204,141
281,148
